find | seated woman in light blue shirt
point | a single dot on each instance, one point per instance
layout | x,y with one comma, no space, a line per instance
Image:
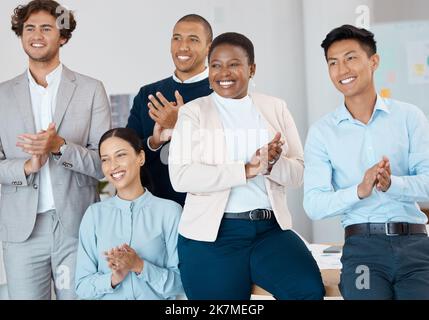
128,243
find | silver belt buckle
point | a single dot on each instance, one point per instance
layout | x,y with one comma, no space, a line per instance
250,215
266,214
386,229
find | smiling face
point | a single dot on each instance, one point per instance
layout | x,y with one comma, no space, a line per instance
230,72
41,38
189,49
121,164
350,68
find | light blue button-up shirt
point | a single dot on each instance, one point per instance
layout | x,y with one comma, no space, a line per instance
339,150
149,226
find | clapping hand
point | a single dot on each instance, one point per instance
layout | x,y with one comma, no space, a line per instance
378,176
265,158
122,260
164,112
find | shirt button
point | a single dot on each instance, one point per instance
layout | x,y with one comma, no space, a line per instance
35,186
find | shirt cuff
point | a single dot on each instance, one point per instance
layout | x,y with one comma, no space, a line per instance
350,195
144,274
104,284
397,186
150,148
149,272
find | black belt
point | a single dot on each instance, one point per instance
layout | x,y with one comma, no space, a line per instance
388,229
256,214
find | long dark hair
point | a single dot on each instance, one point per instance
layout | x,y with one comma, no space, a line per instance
130,136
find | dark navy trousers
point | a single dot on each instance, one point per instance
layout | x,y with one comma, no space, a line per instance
249,252
381,267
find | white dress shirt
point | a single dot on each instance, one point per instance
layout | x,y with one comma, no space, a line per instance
43,102
245,132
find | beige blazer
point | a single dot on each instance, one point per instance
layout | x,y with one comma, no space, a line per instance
199,165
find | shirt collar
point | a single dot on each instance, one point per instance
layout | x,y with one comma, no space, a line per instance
227,102
135,204
342,113
53,76
201,76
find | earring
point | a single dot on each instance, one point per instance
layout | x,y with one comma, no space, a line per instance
252,82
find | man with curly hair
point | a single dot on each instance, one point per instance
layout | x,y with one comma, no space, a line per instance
51,121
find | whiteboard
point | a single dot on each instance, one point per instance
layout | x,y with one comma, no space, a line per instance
403,73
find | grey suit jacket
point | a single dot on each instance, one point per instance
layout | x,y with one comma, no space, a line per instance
82,115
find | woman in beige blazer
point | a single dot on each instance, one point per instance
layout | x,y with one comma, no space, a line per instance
235,153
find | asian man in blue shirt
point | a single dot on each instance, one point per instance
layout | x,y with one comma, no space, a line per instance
368,162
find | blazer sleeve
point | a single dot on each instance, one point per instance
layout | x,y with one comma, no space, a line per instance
85,159
12,171
187,171
289,169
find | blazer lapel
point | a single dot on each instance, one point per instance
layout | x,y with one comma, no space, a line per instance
212,118
264,112
22,94
65,93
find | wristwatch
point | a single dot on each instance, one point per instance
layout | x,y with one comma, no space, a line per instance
62,149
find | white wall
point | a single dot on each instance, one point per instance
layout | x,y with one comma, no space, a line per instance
400,10
124,43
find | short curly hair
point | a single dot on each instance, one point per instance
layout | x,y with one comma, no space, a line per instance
23,12
237,40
